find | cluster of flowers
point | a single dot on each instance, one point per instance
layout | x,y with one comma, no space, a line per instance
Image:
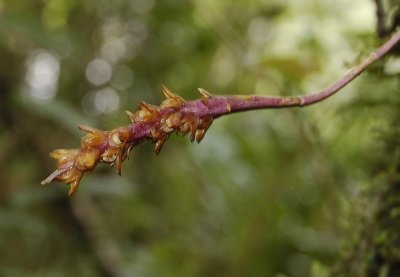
148,123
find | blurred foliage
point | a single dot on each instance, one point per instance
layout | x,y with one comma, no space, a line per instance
267,193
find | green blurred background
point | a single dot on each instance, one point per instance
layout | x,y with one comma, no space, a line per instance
266,193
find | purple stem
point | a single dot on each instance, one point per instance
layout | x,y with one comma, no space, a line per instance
216,106
224,105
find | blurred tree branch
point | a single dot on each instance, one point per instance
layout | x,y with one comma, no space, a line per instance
383,26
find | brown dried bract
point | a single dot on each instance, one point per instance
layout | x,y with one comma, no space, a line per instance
172,100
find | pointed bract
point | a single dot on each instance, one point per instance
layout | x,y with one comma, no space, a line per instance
160,143
193,129
200,134
204,93
172,100
88,129
147,106
169,94
75,184
131,116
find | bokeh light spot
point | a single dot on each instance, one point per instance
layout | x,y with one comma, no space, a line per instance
42,74
98,72
106,100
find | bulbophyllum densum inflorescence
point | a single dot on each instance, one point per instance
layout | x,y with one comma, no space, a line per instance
148,123
185,117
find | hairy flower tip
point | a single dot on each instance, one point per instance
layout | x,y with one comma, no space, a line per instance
66,170
71,164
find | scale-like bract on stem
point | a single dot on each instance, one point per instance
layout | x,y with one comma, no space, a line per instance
177,115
